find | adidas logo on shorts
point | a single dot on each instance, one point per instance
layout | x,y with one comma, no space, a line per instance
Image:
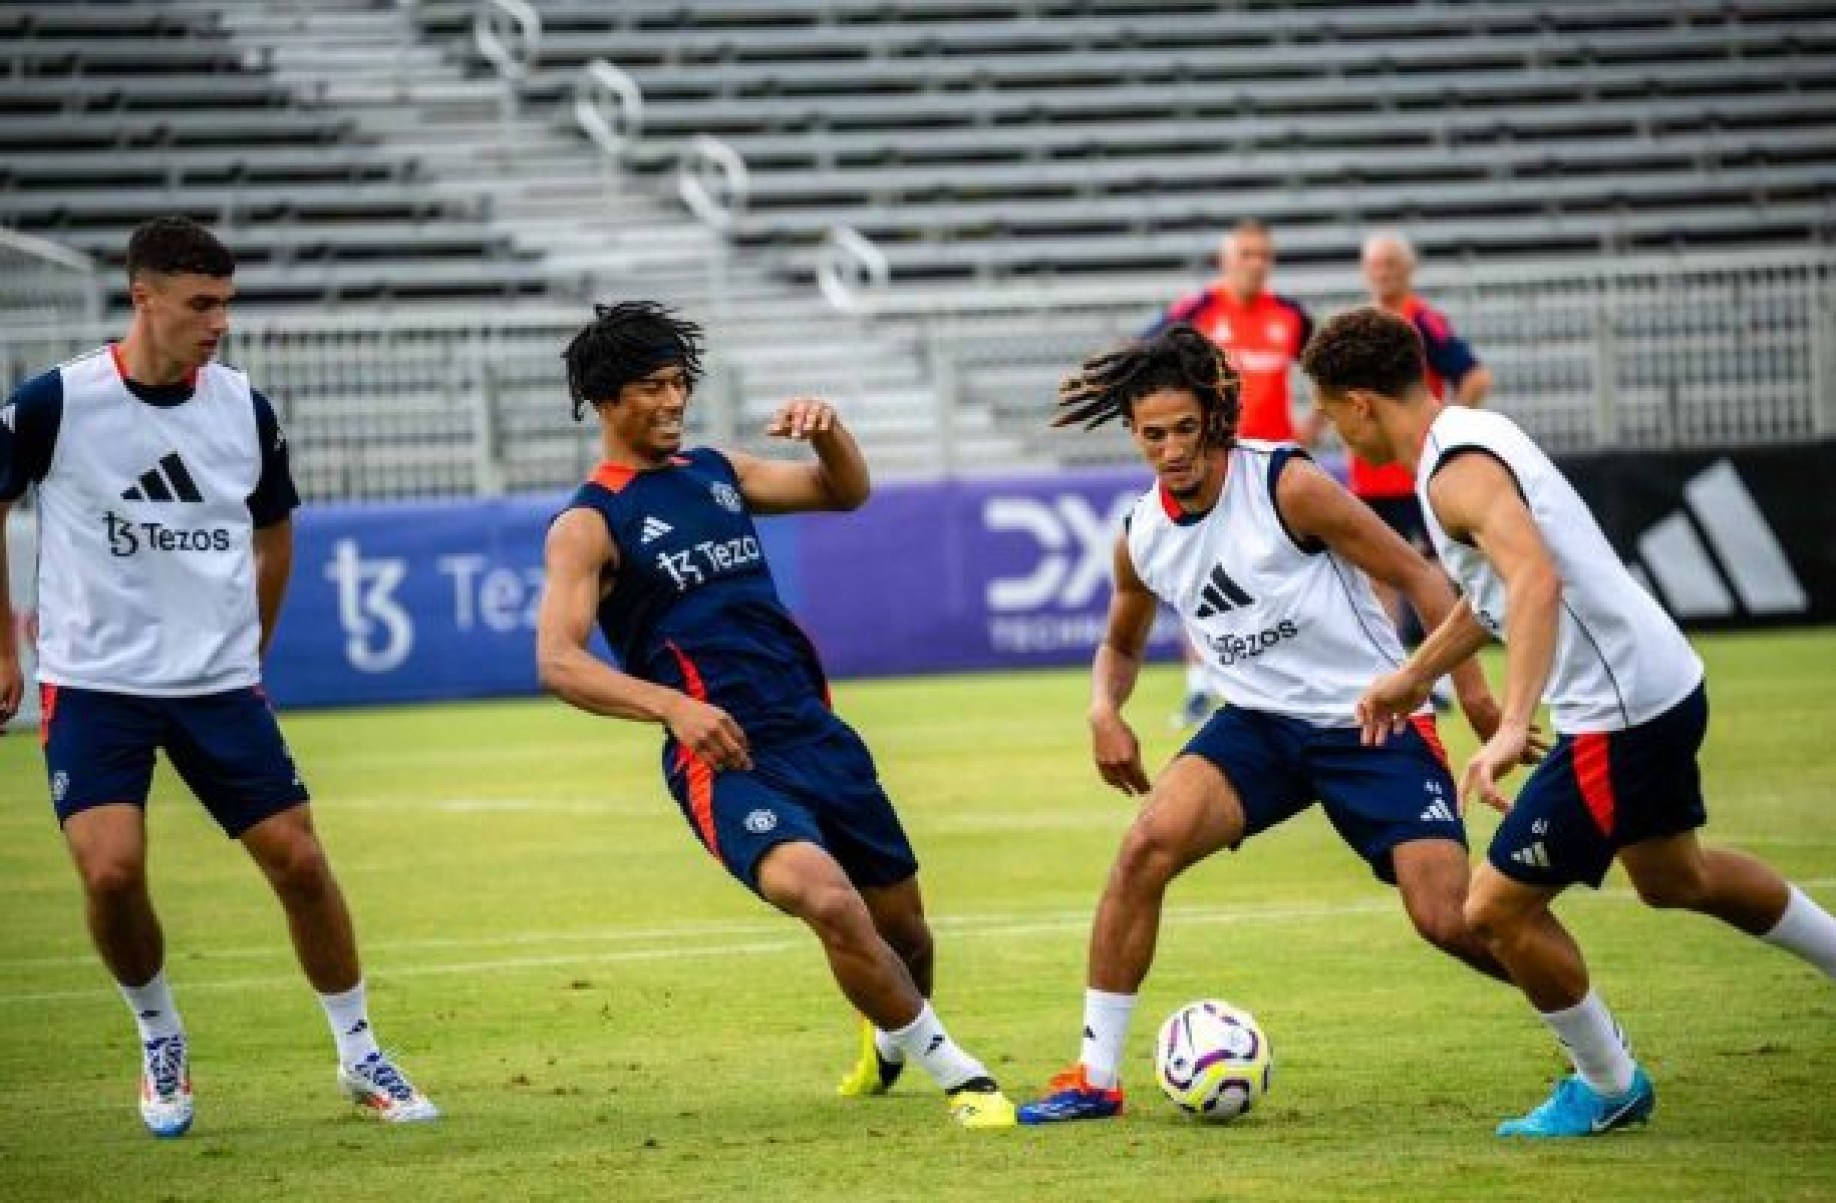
1438,812
1534,855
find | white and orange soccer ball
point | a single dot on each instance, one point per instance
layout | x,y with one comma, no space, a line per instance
1213,1060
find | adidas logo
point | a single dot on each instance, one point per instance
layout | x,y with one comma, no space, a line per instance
1438,812
362,1025
1534,855
936,1043
1693,579
169,481
654,529
1221,595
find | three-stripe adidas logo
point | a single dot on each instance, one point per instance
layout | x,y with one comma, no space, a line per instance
654,529
1221,595
1746,554
169,481
1438,812
1534,855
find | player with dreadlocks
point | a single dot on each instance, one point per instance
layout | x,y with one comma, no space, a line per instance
660,549
1265,558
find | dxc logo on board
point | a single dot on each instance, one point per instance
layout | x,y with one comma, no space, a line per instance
1075,544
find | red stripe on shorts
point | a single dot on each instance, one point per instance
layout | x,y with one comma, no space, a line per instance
700,776
1593,772
1431,735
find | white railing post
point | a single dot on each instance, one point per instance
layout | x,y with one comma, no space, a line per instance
1820,279
609,109
508,33
44,280
851,271
1606,369
713,182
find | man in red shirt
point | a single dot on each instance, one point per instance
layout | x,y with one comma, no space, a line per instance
1262,334
1389,272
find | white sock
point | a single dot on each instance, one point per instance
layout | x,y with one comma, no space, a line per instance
349,1016
1807,930
887,1047
1106,1020
924,1041
1196,681
154,1011
1595,1044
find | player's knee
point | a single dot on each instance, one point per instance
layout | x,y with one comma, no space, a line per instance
301,870
835,912
1148,859
108,879
1485,919
1443,925
1683,889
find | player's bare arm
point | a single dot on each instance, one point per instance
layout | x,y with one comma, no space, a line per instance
1113,675
12,681
1477,500
838,480
578,557
272,546
1473,387
1313,505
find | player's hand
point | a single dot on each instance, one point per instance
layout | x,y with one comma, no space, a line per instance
1388,705
1484,714
1118,754
1493,762
802,418
709,733
12,687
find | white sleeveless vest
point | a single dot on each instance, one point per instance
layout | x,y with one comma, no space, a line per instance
1281,629
146,584
1619,660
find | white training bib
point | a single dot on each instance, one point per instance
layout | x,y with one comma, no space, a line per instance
146,583
1284,629
1619,660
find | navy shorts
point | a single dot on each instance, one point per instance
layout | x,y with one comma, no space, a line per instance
1376,797
99,748
823,789
1596,793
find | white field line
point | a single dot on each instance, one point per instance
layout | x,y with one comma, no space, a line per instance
962,926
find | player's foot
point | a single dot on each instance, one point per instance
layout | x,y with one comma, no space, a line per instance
1194,710
979,1103
165,1087
376,1083
1071,1096
1574,1109
872,1073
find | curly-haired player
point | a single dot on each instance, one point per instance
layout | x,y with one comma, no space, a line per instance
1265,558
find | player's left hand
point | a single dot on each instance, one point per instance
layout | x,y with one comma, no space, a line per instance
1504,751
1387,706
1484,714
802,418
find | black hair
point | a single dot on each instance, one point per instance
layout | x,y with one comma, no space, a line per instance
177,245
1107,386
626,342
1366,348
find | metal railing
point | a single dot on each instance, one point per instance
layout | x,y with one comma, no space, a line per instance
1689,354
44,283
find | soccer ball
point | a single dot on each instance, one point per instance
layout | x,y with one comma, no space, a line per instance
1212,1060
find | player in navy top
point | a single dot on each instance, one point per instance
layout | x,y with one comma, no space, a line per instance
659,549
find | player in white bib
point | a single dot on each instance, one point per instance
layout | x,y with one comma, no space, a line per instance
165,542
1625,694
1267,561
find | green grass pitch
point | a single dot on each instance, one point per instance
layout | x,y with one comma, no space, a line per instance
604,1014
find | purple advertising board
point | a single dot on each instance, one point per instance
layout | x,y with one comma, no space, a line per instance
418,601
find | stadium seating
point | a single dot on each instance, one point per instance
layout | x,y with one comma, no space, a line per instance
1056,138
111,113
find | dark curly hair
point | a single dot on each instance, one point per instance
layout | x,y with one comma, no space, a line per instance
177,245
626,342
1366,348
1107,386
